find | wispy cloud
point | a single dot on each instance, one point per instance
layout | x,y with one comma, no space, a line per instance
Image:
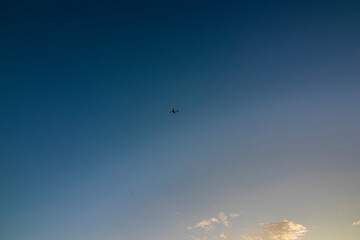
206,224
210,224
279,231
356,223
224,219
224,236
285,230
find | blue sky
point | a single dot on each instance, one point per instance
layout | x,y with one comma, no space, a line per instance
268,128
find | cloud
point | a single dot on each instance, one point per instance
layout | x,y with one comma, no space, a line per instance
207,224
224,236
356,223
285,230
224,219
279,231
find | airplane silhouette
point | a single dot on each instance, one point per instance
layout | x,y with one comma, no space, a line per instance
173,111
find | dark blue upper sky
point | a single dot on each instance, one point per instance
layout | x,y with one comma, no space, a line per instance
86,90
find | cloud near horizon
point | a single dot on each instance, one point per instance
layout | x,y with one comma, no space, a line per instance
285,230
224,236
279,231
206,224
209,224
224,219
354,224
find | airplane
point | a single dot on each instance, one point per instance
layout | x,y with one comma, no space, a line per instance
173,111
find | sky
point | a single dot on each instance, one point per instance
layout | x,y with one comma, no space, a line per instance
265,145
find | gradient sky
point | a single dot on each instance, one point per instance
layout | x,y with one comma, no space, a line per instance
268,128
